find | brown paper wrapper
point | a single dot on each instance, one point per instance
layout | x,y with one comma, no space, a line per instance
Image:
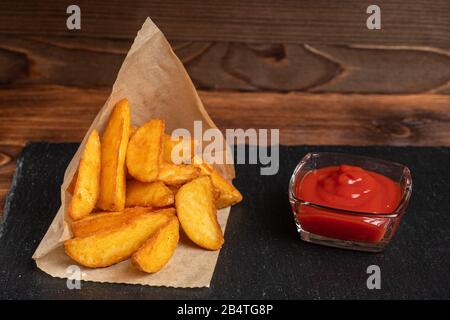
156,85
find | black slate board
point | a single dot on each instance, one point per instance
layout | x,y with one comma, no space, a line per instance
263,256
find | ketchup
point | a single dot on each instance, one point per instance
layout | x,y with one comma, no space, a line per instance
347,188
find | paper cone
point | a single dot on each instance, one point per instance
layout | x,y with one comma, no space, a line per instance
156,85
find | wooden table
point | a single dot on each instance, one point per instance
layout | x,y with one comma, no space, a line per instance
311,69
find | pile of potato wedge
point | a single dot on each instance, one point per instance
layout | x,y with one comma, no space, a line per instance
129,200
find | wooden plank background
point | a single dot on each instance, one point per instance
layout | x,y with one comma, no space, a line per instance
70,61
404,22
313,46
310,68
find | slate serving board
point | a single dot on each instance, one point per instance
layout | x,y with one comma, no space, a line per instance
263,256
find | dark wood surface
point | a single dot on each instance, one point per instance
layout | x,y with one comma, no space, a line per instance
310,68
316,68
404,22
313,46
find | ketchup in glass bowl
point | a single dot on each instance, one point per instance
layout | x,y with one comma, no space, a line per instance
348,201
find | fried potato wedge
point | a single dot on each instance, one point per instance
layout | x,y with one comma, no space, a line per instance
145,151
227,194
176,174
184,149
132,131
148,194
114,147
154,254
87,185
197,213
110,246
105,220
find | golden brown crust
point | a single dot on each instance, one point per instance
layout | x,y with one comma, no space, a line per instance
154,254
114,147
197,213
87,184
110,246
145,151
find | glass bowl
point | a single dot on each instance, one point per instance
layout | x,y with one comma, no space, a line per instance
337,227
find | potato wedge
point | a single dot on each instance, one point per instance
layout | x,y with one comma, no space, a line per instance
154,254
132,131
114,148
87,186
228,195
145,151
176,174
197,214
148,194
105,220
186,149
110,246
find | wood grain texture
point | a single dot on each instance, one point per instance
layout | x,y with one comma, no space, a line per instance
283,46
58,113
63,114
404,22
84,62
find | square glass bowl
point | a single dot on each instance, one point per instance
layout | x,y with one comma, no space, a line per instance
355,230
